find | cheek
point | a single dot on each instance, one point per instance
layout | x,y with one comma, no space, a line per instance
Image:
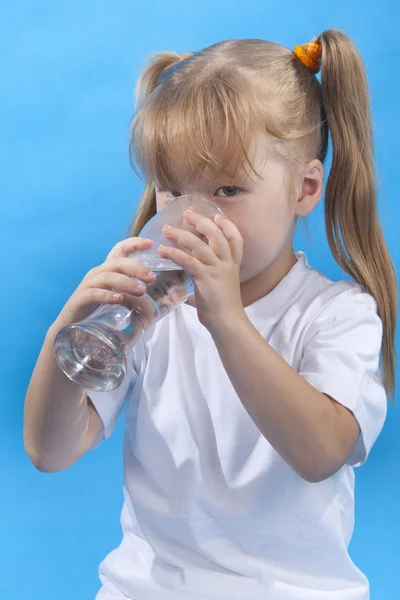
256,243
263,237
274,223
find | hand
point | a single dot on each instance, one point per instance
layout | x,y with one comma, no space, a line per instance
214,267
118,273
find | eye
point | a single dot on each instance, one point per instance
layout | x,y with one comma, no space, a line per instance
230,190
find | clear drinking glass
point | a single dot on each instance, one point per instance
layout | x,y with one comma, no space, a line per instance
93,352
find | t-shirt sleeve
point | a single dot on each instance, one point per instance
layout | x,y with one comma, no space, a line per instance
109,405
341,358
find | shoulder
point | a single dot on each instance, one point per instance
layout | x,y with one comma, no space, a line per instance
344,321
326,301
344,300
320,295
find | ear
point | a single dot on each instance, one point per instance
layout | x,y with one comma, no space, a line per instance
312,184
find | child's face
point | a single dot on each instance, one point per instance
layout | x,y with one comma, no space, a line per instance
258,207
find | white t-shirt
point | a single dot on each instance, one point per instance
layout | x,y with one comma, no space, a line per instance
211,510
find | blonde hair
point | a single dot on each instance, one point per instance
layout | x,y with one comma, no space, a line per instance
236,89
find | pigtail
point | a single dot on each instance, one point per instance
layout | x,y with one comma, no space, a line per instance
150,76
147,82
351,197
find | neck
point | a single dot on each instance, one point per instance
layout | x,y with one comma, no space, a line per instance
263,283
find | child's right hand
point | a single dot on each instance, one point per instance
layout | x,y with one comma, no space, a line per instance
116,273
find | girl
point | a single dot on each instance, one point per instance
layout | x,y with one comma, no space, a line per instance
248,407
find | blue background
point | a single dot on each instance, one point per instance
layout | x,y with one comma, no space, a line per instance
68,194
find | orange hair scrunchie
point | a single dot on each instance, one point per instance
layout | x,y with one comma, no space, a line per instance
310,55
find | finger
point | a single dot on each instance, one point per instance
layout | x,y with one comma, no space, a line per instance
233,237
197,248
119,283
189,263
128,266
215,236
125,247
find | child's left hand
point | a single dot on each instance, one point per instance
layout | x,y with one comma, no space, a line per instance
214,267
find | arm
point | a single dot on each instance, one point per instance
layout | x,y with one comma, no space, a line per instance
60,422
312,432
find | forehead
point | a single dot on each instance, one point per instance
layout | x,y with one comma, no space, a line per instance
259,155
